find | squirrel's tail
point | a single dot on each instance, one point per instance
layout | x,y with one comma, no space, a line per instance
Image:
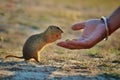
14,56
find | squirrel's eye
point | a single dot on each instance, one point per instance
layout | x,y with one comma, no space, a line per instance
57,27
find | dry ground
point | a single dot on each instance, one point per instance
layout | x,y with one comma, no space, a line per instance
21,18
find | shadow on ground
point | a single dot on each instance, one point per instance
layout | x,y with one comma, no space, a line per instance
33,71
80,77
24,71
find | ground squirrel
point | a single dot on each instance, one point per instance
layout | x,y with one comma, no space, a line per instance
35,43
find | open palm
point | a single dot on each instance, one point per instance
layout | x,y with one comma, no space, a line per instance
94,32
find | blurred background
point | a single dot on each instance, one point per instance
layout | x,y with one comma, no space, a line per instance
20,19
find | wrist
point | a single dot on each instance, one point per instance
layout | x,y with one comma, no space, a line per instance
114,20
109,26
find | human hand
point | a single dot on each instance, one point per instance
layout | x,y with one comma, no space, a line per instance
94,32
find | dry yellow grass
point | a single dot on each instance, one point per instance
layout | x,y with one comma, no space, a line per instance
21,18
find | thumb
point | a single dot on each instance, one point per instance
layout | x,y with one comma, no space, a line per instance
78,26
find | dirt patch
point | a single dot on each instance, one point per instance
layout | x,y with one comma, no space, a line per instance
34,71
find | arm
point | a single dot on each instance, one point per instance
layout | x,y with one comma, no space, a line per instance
114,20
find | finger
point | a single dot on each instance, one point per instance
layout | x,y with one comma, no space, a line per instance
78,44
73,42
67,45
78,26
64,44
61,43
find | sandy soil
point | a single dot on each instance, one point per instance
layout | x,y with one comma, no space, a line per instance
14,70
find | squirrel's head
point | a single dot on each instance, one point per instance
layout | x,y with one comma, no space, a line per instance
54,29
54,33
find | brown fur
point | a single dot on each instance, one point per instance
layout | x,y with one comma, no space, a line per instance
35,43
